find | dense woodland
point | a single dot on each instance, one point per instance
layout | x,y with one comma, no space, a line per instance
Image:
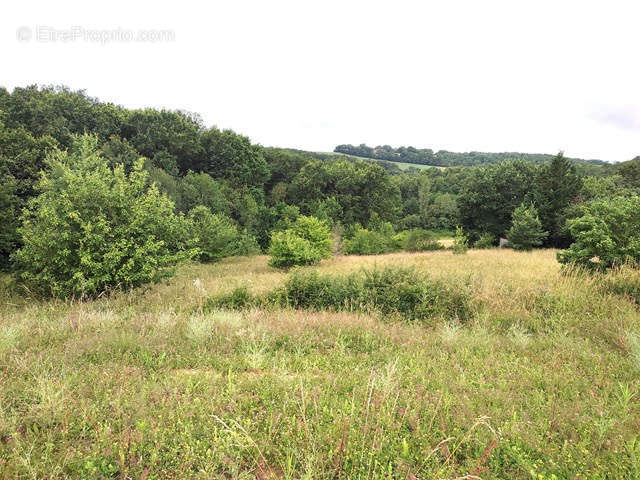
240,194
443,158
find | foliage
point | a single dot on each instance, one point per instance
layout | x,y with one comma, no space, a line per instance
149,386
216,234
368,242
526,229
92,228
556,187
390,291
490,196
485,240
607,234
307,242
426,156
201,189
9,206
419,240
460,242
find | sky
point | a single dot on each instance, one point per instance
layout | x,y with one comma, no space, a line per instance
529,76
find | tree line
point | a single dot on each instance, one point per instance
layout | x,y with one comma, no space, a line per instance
226,195
444,158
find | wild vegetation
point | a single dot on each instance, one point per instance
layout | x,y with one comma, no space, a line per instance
144,335
540,382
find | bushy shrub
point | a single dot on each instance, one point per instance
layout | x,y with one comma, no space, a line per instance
419,240
460,242
216,234
485,240
236,299
368,242
526,229
606,234
92,228
307,242
391,291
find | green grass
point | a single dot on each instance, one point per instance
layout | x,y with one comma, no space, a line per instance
542,383
401,165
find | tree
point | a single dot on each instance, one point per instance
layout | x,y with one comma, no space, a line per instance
630,173
93,229
556,188
460,242
201,189
9,208
526,229
232,157
491,194
606,234
307,242
217,235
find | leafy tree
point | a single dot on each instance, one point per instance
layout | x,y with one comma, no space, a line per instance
307,242
232,157
606,234
175,134
526,228
491,194
10,204
217,235
118,151
93,229
201,189
630,173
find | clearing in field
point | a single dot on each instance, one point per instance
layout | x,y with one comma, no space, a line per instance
542,382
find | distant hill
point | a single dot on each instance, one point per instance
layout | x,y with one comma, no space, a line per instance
444,158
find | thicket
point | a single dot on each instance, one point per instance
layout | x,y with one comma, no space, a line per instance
392,291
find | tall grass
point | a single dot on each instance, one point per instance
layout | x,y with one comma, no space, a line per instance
541,382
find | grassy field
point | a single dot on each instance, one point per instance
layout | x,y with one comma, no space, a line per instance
542,383
400,165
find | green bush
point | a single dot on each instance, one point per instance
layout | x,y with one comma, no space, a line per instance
419,240
236,299
368,242
307,242
216,234
485,240
92,229
390,291
460,242
526,229
607,234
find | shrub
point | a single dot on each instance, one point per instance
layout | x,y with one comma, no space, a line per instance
460,242
305,243
216,234
368,242
390,291
236,299
526,229
92,228
485,240
607,234
419,240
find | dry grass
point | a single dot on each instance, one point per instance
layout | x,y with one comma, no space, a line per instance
543,382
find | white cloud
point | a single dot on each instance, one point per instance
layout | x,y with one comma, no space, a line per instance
456,75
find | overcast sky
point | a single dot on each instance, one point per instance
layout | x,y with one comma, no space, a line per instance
530,76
